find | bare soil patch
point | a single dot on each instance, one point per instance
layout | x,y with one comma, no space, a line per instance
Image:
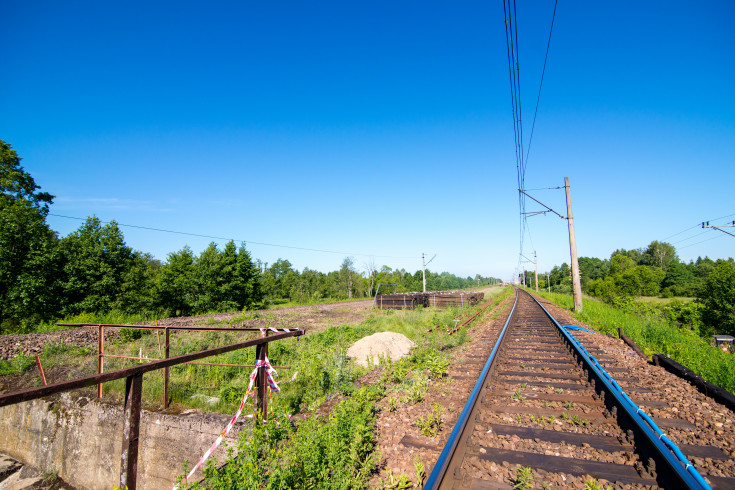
312,318
390,345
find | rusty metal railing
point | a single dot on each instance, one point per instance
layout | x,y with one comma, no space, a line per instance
167,329
134,389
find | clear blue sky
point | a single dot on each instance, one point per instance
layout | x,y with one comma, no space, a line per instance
380,128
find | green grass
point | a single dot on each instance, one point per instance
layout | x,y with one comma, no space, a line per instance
16,365
657,336
325,452
337,451
333,452
286,303
318,360
656,299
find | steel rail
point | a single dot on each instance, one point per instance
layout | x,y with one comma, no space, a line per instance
670,473
440,468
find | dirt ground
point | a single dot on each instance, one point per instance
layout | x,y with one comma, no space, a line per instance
312,318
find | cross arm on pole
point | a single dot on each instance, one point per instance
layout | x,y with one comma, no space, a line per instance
723,231
544,205
705,224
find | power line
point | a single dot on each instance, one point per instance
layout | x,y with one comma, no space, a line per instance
518,93
548,44
545,188
720,228
695,226
697,243
510,13
684,231
513,74
236,239
690,238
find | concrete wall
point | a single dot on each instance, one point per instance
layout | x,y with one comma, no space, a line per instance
82,440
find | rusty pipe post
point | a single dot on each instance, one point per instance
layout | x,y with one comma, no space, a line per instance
101,357
131,431
261,383
40,370
166,371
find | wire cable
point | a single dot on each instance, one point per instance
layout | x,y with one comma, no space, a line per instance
518,94
697,243
236,239
690,238
548,44
695,226
510,45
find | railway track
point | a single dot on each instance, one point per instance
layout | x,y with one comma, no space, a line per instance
546,403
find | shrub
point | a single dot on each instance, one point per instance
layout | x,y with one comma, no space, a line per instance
338,450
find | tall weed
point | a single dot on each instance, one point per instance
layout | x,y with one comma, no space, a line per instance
656,334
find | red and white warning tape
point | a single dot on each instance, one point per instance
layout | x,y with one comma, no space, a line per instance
269,371
276,330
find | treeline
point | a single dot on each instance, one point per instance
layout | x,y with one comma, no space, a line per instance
45,277
657,271
280,280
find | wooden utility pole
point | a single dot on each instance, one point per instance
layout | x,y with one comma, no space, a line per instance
535,263
576,285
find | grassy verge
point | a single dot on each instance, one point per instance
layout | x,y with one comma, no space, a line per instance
656,299
318,361
336,451
657,336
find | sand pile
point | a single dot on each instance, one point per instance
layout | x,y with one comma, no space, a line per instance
383,344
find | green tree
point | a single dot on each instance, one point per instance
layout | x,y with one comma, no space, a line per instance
640,280
703,267
175,285
274,279
17,185
28,256
29,265
347,276
620,263
718,298
661,255
591,268
679,280
246,287
635,255
214,279
137,293
96,261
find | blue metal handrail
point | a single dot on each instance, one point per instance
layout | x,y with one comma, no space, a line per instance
666,449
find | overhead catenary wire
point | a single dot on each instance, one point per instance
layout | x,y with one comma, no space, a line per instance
511,42
513,74
545,188
695,226
541,84
690,237
697,243
212,237
510,13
